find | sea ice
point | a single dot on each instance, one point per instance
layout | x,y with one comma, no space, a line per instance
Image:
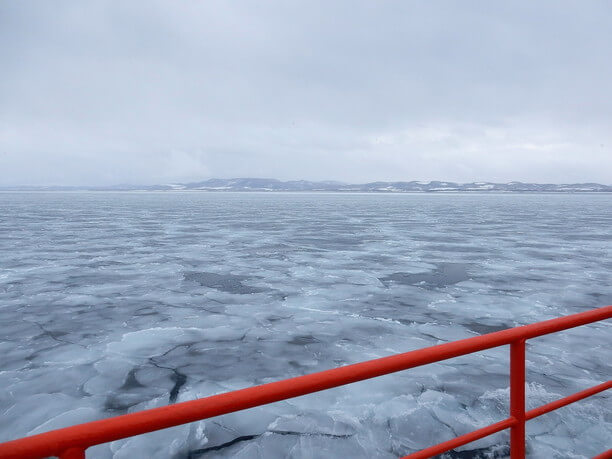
116,302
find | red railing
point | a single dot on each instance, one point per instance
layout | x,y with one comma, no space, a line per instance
71,442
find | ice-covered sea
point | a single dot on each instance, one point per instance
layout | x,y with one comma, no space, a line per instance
117,302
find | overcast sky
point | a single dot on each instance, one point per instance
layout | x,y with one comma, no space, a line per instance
155,92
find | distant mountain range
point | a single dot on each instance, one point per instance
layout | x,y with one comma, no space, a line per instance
262,184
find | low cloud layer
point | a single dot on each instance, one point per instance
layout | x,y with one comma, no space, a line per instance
152,92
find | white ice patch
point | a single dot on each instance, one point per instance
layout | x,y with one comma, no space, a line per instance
156,341
67,419
313,423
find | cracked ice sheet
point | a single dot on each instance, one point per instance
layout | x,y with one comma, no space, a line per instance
140,300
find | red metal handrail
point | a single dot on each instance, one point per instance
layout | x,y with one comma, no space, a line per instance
71,442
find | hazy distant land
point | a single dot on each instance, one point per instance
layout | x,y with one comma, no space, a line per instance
263,184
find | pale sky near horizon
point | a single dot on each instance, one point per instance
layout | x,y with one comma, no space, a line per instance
145,92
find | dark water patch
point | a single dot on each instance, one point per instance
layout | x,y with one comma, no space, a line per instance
372,258
275,318
311,434
130,381
493,452
121,403
328,243
102,263
302,340
483,329
585,237
199,452
547,256
456,248
440,238
228,283
146,312
533,245
179,380
87,280
445,274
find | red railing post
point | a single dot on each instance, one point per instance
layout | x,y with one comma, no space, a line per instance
517,398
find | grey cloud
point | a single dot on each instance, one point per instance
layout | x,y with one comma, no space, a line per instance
115,92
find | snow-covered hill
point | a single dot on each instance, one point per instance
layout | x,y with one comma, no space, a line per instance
263,184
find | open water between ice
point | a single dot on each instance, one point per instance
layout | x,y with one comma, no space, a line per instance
116,302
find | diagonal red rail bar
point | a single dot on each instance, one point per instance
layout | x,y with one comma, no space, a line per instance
463,439
71,442
605,455
539,411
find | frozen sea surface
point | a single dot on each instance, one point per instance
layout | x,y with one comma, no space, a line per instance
116,302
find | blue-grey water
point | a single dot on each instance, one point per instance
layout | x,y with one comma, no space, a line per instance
117,302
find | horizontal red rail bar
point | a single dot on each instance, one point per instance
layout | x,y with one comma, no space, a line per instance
106,430
539,411
462,439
